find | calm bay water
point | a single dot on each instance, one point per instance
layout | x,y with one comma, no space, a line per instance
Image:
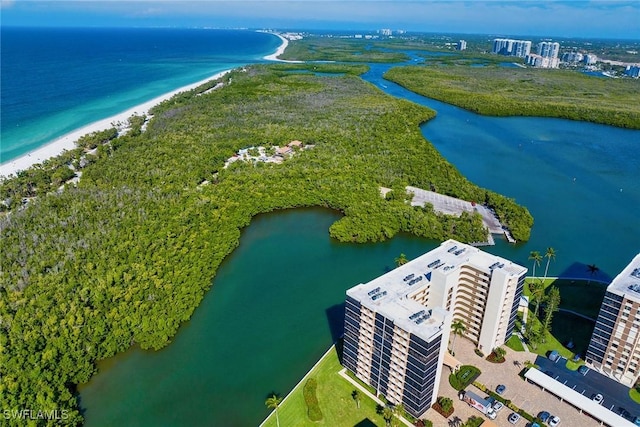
275,305
580,181
56,80
274,308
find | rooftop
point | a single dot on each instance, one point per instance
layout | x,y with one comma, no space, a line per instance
389,293
627,283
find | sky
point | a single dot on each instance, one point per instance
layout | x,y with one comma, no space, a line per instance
596,19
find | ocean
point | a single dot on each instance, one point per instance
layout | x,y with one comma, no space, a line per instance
56,80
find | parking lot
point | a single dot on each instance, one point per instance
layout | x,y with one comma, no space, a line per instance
616,396
523,394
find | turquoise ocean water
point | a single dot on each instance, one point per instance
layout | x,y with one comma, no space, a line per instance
56,80
261,328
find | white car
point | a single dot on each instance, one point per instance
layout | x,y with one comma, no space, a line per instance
598,398
514,418
497,406
554,421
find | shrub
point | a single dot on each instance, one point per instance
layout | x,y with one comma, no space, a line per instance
443,406
313,408
473,422
463,377
479,353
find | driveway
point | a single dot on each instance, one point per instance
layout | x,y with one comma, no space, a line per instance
525,395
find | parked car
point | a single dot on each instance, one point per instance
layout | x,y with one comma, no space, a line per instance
497,406
514,418
598,398
554,421
501,388
544,416
583,369
554,356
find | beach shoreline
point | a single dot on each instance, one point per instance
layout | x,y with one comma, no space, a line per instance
279,51
67,141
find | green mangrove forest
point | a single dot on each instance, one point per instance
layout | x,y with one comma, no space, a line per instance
124,256
499,91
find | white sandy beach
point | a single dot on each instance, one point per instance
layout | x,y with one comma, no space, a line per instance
280,51
67,142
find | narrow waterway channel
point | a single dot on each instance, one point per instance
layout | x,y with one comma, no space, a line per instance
275,305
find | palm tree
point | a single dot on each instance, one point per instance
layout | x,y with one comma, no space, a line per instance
536,290
387,414
401,260
273,402
536,257
499,352
458,328
356,396
398,411
593,270
551,253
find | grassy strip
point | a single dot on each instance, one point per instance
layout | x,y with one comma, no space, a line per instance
335,399
635,395
499,91
514,343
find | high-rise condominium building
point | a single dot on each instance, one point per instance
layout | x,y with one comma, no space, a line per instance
509,47
461,45
614,349
397,325
548,49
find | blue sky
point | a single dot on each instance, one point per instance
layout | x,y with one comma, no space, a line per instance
607,19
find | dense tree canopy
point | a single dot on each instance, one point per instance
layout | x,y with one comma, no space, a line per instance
125,256
500,91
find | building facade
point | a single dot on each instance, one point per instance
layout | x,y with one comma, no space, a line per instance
461,45
614,349
632,71
510,47
548,49
397,326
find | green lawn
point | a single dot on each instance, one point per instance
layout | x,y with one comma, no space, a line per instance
514,343
633,393
334,397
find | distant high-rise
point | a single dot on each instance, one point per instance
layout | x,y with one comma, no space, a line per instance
614,348
541,61
590,59
632,71
509,47
572,57
397,326
548,49
386,32
461,45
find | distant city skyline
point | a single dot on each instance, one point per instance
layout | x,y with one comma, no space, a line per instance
583,19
